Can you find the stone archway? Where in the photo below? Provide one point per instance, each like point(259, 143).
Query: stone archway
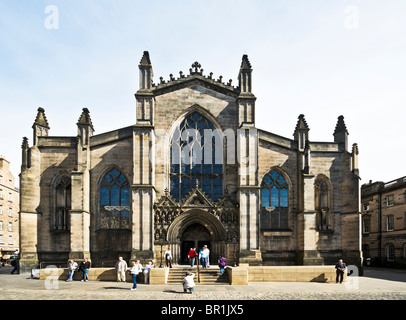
point(197, 227)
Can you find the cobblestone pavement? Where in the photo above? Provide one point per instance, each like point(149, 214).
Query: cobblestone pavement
point(376, 284)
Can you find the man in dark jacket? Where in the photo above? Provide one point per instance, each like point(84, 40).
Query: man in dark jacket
point(84, 267)
point(340, 267)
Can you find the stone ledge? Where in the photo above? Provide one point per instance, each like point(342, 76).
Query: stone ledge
point(293, 274)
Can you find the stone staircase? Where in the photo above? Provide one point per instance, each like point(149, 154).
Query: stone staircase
point(209, 276)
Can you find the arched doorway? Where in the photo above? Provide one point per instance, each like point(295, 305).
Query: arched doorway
point(196, 228)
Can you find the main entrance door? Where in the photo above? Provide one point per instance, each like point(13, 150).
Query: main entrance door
point(195, 236)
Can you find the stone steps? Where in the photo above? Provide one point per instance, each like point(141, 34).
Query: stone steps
point(207, 276)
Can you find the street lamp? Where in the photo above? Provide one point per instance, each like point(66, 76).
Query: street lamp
point(234, 241)
point(161, 242)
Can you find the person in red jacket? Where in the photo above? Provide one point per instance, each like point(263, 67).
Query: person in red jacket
point(192, 256)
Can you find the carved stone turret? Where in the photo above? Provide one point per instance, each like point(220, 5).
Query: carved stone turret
point(354, 155)
point(245, 76)
point(25, 160)
point(146, 72)
point(246, 99)
point(301, 134)
point(85, 127)
point(40, 126)
point(341, 133)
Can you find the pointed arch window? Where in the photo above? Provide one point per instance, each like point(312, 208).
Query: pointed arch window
point(114, 201)
point(274, 201)
point(196, 154)
point(323, 207)
point(62, 204)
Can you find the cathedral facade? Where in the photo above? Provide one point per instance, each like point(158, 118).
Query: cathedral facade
point(193, 170)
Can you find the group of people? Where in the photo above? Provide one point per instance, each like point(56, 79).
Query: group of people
point(188, 282)
point(120, 268)
point(192, 254)
point(83, 268)
point(136, 268)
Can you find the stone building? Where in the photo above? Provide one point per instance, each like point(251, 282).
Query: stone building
point(384, 222)
point(9, 208)
point(193, 170)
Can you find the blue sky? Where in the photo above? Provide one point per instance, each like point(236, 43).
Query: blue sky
point(307, 58)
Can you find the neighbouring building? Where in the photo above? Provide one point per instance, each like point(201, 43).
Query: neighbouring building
point(384, 222)
point(9, 211)
point(192, 170)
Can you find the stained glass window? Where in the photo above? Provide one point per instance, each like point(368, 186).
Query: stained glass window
point(274, 201)
point(114, 201)
point(196, 154)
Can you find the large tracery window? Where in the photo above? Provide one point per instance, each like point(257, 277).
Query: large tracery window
point(62, 204)
point(274, 201)
point(196, 154)
point(114, 201)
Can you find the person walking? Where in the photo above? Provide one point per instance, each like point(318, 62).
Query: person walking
point(222, 264)
point(121, 268)
point(135, 269)
point(340, 267)
point(168, 257)
point(72, 267)
point(14, 263)
point(84, 268)
point(192, 256)
point(147, 270)
point(203, 258)
point(188, 282)
point(207, 254)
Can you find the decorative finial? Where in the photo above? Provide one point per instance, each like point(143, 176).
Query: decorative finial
point(196, 66)
point(197, 183)
point(25, 143)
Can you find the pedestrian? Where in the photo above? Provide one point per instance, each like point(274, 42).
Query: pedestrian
point(192, 256)
point(222, 264)
point(84, 268)
point(72, 267)
point(207, 254)
point(168, 257)
point(340, 267)
point(14, 263)
point(203, 258)
point(147, 270)
point(121, 268)
point(135, 269)
point(188, 282)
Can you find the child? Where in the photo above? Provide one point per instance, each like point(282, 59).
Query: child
point(222, 264)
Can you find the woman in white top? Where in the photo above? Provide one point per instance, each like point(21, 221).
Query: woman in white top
point(135, 269)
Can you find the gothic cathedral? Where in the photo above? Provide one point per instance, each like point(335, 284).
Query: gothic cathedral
point(194, 170)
